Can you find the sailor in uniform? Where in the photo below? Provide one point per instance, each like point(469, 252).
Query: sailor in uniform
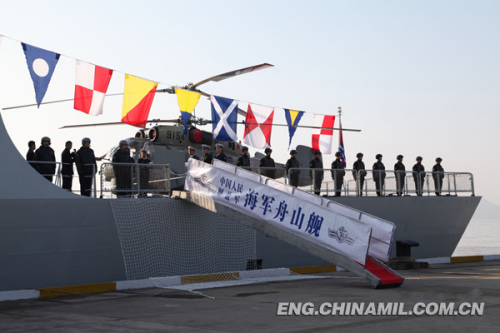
point(220, 154)
point(419, 176)
point(399, 172)
point(438, 176)
point(207, 157)
point(293, 163)
point(191, 151)
point(359, 170)
point(268, 162)
point(316, 175)
point(338, 173)
point(244, 160)
point(379, 175)
point(45, 154)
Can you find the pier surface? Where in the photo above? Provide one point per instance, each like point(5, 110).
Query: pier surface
point(253, 307)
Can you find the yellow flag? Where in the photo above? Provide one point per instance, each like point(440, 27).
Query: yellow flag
point(187, 99)
point(137, 98)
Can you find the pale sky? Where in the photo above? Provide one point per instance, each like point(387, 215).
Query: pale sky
point(418, 77)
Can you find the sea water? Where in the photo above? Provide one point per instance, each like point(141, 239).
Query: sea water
point(481, 237)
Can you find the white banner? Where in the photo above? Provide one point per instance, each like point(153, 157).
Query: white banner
point(382, 230)
point(226, 185)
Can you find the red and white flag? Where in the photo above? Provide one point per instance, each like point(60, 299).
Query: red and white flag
point(258, 126)
point(90, 87)
point(322, 138)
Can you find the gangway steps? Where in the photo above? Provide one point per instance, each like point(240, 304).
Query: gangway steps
point(375, 271)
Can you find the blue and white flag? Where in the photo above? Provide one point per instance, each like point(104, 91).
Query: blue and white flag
point(224, 118)
point(41, 64)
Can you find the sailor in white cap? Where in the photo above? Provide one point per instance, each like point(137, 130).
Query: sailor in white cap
point(191, 151)
point(207, 157)
point(220, 154)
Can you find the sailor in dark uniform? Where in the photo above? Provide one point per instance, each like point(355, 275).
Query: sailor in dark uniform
point(316, 175)
point(45, 154)
point(244, 160)
point(399, 172)
point(123, 169)
point(192, 151)
point(338, 173)
point(143, 173)
point(220, 154)
point(30, 155)
point(438, 176)
point(207, 157)
point(268, 162)
point(67, 159)
point(379, 175)
point(293, 163)
point(359, 170)
point(419, 176)
point(86, 166)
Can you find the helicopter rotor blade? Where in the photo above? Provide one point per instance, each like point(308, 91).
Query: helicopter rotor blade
point(242, 112)
point(231, 74)
point(119, 123)
point(303, 126)
point(50, 102)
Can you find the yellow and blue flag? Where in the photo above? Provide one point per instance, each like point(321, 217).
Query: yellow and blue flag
point(292, 119)
point(187, 101)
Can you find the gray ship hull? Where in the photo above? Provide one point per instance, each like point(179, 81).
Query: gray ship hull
point(436, 223)
point(52, 242)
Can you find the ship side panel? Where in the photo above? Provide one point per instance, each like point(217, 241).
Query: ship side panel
point(437, 223)
point(56, 242)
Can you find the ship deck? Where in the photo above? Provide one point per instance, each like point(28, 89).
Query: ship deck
point(253, 307)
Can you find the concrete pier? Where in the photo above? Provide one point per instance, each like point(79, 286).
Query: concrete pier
point(253, 308)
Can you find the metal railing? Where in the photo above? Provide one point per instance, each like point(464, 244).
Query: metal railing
point(447, 183)
point(134, 179)
point(349, 182)
point(157, 179)
point(56, 176)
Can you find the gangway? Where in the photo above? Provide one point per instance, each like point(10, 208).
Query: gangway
point(346, 237)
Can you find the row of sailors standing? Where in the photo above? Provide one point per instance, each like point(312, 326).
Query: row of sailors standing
point(266, 163)
point(379, 174)
point(359, 170)
point(41, 160)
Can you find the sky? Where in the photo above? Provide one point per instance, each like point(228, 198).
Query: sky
point(417, 77)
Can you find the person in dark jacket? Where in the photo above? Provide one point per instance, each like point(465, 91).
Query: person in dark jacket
point(192, 151)
point(207, 157)
point(220, 154)
point(67, 159)
point(379, 175)
point(244, 160)
point(86, 166)
point(419, 176)
point(400, 173)
point(293, 163)
point(268, 162)
point(338, 173)
point(30, 155)
point(438, 176)
point(123, 170)
point(143, 162)
point(359, 171)
point(45, 154)
point(316, 175)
